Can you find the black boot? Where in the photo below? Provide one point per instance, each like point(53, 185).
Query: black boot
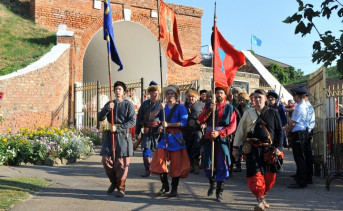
point(175, 183)
point(196, 165)
point(146, 161)
point(231, 170)
point(114, 185)
point(212, 186)
point(191, 165)
point(219, 191)
point(238, 167)
point(165, 184)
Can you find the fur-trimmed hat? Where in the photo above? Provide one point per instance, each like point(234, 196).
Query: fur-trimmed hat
point(237, 89)
point(153, 87)
point(120, 83)
point(244, 95)
point(192, 92)
point(221, 88)
point(174, 88)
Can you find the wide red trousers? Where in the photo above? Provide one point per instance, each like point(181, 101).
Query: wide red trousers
point(260, 184)
point(179, 163)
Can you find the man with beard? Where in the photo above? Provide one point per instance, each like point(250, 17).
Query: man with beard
point(124, 118)
point(150, 132)
point(171, 147)
point(225, 125)
point(193, 130)
point(260, 133)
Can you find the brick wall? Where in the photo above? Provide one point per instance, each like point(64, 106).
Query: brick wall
point(37, 96)
point(84, 21)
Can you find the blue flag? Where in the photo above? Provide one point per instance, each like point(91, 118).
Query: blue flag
point(255, 40)
point(108, 35)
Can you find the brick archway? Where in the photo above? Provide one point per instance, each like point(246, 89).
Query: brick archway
point(86, 20)
point(149, 23)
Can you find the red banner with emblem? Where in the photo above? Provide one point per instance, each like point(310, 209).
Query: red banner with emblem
point(169, 32)
point(226, 59)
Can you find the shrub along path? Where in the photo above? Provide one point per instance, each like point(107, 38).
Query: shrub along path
point(83, 185)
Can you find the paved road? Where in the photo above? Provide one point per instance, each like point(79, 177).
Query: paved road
point(83, 185)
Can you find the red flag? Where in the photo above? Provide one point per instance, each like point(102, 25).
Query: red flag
point(169, 32)
point(226, 59)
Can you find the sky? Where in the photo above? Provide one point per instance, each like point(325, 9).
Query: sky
point(237, 20)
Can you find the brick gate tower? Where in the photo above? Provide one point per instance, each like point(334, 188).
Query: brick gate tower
point(85, 17)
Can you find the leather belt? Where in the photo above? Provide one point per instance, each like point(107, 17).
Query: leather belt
point(173, 130)
point(257, 142)
point(151, 124)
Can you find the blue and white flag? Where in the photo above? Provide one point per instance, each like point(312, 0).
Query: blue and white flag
point(108, 35)
point(255, 40)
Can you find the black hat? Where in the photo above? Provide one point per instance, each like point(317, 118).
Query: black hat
point(273, 93)
point(203, 91)
point(308, 93)
point(298, 91)
point(120, 83)
point(153, 83)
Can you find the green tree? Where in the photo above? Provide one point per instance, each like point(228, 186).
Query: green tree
point(328, 48)
point(283, 75)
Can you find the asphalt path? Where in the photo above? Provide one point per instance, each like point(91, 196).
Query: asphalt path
point(83, 185)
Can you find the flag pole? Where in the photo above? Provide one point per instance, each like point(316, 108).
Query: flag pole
point(213, 85)
point(109, 74)
point(111, 97)
point(160, 53)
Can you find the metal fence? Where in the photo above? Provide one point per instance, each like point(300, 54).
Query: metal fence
point(90, 98)
point(334, 125)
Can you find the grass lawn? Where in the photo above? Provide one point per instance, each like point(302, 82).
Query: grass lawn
point(15, 190)
point(21, 41)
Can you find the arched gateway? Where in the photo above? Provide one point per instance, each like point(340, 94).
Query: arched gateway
point(85, 19)
point(138, 49)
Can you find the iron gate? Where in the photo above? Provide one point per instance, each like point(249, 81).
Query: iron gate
point(327, 143)
point(334, 124)
point(91, 97)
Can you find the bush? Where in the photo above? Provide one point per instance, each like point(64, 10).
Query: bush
point(43, 143)
point(93, 133)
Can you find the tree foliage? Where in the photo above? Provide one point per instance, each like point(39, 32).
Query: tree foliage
point(328, 48)
point(285, 75)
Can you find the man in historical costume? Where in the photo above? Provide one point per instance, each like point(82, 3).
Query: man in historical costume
point(260, 133)
point(298, 126)
point(124, 118)
point(208, 96)
point(203, 95)
point(225, 125)
point(252, 100)
point(172, 146)
point(193, 131)
point(150, 132)
point(243, 105)
point(274, 103)
point(235, 92)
